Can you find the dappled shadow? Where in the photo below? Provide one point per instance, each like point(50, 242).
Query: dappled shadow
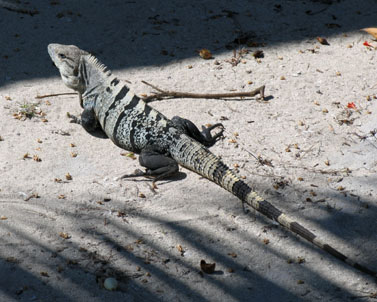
point(139, 249)
point(127, 34)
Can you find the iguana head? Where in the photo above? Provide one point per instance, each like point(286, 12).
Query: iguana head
point(67, 59)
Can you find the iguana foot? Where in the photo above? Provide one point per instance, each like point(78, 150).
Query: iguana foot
point(205, 137)
point(74, 119)
point(158, 166)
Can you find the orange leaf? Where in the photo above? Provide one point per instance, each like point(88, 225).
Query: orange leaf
point(351, 105)
point(371, 30)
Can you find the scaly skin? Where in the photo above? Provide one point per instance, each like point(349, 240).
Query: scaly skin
point(135, 126)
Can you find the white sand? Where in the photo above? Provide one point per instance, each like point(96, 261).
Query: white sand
point(329, 173)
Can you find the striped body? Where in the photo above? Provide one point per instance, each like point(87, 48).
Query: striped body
point(132, 125)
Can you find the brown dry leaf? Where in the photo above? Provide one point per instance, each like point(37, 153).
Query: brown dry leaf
point(68, 176)
point(37, 158)
point(141, 195)
point(233, 255)
point(300, 260)
point(3, 218)
point(44, 274)
point(61, 196)
point(371, 30)
point(208, 268)
point(323, 41)
point(258, 54)
point(180, 249)
point(266, 241)
point(205, 54)
point(12, 260)
point(64, 235)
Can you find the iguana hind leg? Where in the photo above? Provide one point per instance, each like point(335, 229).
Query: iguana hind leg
point(205, 137)
point(158, 165)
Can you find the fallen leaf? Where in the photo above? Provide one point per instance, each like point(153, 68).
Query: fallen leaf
point(180, 249)
point(44, 274)
point(12, 260)
point(37, 158)
point(258, 54)
point(128, 154)
point(3, 218)
point(323, 41)
point(205, 54)
point(351, 105)
point(233, 255)
point(64, 235)
point(208, 268)
point(68, 176)
point(300, 260)
point(367, 44)
point(371, 30)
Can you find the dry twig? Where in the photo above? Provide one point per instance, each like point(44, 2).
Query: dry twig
point(176, 94)
point(55, 94)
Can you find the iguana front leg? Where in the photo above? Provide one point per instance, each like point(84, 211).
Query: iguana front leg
point(88, 118)
point(205, 137)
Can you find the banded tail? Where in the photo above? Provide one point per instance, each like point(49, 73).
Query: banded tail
point(199, 159)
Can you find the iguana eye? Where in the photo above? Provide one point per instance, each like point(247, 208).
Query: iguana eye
point(62, 56)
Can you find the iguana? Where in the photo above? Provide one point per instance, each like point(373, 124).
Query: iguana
point(163, 144)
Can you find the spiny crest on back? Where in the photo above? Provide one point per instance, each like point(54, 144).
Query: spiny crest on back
point(94, 62)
